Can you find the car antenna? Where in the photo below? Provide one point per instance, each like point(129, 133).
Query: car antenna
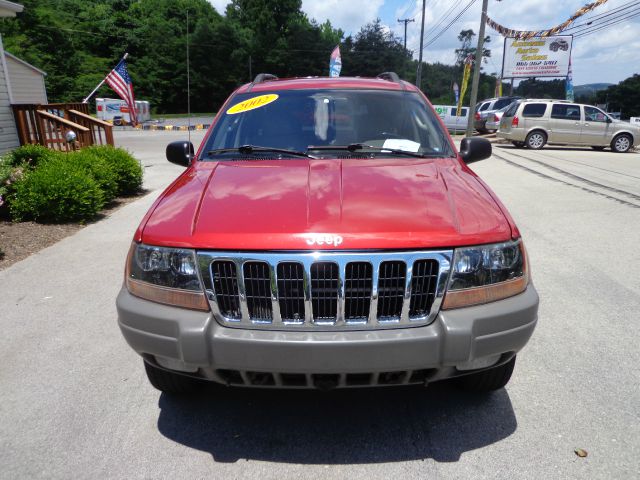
point(188, 84)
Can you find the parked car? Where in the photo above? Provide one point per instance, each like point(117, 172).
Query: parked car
point(327, 234)
point(486, 108)
point(493, 118)
point(534, 123)
point(559, 44)
point(452, 121)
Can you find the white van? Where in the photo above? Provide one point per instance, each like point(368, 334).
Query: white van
point(117, 111)
point(452, 121)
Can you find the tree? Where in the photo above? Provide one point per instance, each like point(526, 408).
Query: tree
point(624, 97)
point(466, 38)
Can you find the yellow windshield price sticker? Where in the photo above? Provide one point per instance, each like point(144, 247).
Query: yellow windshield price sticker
point(252, 103)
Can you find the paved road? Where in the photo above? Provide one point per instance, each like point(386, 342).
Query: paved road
point(74, 401)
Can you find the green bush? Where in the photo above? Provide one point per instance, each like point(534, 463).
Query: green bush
point(59, 190)
point(30, 155)
point(127, 169)
point(101, 171)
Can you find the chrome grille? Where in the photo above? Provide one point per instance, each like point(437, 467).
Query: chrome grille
point(324, 290)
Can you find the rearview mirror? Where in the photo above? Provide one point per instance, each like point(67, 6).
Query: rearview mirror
point(473, 149)
point(180, 153)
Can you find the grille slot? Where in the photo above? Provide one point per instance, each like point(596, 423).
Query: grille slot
point(291, 291)
point(257, 285)
point(391, 285)
point(423, 287)
point(225, 285)
point(357, 291)
point(324, 291)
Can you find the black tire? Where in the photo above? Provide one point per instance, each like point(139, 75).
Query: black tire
point(482, 131)
point(488, 380)
point(598, 148)
point(536, 140)
point(622, 143)
point(518, 144)
point(170, 382)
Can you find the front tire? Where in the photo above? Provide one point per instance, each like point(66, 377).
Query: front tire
point(169, 382)
point(622, 143)
point(488, 380)
point(536, 140)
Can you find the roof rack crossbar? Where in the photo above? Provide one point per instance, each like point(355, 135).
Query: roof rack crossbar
point(264, 77)
point(391, 76)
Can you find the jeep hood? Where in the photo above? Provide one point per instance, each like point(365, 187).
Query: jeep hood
point(285, 204)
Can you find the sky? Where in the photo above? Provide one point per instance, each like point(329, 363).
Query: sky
point(607, 56)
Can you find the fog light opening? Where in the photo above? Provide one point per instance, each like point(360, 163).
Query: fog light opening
point(173, 364)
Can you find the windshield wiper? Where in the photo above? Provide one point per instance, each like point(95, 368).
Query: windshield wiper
point(353, 147)
point(249, 149)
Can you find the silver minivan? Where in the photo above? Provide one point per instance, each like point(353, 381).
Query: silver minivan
point(534, 123)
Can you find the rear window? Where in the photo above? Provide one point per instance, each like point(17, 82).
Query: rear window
point(565, 111)
point(511, 111)
point(534, 110)
point(483, 107)
point(503, 102)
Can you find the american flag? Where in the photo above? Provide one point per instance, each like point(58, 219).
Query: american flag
point(120, 81)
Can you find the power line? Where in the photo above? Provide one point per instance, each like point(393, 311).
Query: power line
point(441, 32)
point(600, 16)
point(590, 30)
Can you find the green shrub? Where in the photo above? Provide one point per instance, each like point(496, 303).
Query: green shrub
point(101, 171)
point(58, 191)
point(127, 169)
point(30, 155)
point(8, 176)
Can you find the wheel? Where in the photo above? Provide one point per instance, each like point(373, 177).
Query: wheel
point(518, 144)
point(488, 380)
point(482, 131)
point(169, 382)
point(621, 143)
point(599, 148)
point(536, 140)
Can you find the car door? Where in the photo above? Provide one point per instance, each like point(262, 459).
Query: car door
point(566, 123)
point(596, 127)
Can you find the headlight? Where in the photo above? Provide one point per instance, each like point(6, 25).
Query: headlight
point(165, 275)
point(486, 273)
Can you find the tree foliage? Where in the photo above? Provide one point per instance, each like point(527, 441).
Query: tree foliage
point(77, 42)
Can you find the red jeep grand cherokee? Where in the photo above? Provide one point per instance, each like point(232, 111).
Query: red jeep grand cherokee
point(327, 234)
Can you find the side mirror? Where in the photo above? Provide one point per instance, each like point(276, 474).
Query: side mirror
point(473, 149)
point(180, 153)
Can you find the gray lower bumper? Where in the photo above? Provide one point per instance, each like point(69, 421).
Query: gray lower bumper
point(199, 343)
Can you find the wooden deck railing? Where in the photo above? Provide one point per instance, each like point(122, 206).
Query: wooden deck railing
point(46, 130)
point(55, 128)
point(101, 132)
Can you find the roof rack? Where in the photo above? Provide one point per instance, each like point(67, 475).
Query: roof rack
point(391, 76)
point(264, 77)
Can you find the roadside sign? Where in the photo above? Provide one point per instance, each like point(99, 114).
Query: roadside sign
point(537, 57)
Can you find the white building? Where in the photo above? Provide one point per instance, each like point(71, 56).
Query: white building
point(26, 82)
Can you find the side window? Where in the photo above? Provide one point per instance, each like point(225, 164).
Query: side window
point(563, 111)
point(463, 112)
point(592, 114)
point(534, 110)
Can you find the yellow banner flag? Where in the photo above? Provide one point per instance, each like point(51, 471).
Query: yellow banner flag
point(465, 82)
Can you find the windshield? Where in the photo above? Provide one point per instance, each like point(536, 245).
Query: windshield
point(299, 119)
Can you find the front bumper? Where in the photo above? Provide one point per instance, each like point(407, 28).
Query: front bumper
point(196, 343)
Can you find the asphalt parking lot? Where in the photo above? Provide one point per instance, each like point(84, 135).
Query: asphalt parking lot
point(75, 403)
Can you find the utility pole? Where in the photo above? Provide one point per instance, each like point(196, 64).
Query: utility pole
point(419, 73)
point(476, 70)
point(405, 21)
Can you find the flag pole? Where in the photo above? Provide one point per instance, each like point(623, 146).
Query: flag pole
point(124, 57)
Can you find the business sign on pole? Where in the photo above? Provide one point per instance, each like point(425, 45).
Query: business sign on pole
point(537, 57)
